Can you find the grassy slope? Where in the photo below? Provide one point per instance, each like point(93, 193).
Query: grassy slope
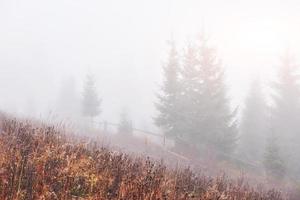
point(39, 162)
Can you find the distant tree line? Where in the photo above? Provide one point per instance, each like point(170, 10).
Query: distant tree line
point(73, 106)
point(270, 123)
point(194, 109)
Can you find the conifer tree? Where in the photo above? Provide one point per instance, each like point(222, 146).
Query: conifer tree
point(253, 125)
point(90, 102)
point(125, 127)
point(191, 84)
point(197, 111)
point(168, 117)
point(216, 121)
point(286, 112)
point(274, 165)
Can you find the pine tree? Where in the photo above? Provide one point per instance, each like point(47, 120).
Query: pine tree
point(253, 124)
point(168, 117)
point(125, 127)
point(216, 121)
point(191, 93)
point(196, 110)
point(90, 102)
point(286, 112)
point(273, 162)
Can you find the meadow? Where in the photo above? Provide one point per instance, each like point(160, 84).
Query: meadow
point(39, 161)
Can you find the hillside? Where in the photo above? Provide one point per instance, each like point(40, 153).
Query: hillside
point(40, 162)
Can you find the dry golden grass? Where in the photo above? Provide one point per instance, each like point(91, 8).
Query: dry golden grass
point(39, 162)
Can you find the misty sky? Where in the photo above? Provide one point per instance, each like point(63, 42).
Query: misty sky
point(123, 43)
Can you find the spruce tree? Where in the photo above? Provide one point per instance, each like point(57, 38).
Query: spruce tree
point(196, 109)
point(90, 102)
point(168, 117)
point(286, 112)
point(216, 121)
point(274, 164)
point(125, 126)
point(253, 124)
point(190, 96)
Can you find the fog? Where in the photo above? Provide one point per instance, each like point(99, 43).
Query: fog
point(124, 45)
point(47, 45)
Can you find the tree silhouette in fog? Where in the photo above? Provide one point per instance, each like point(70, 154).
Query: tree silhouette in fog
point(273, 161)
point(168, 118)
point(194, 107)
point(285, 112)
point(125, 127)
point(90, 102)
point(253, 127)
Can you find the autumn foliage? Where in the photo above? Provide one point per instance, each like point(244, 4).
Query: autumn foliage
point(39, 162)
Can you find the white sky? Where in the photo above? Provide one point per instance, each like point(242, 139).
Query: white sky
point(124, 43)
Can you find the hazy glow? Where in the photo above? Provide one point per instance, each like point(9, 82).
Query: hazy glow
point(255, 31)
point(124, 44)
point(263, 36)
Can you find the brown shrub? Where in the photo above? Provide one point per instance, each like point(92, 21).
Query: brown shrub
point(39, 162)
